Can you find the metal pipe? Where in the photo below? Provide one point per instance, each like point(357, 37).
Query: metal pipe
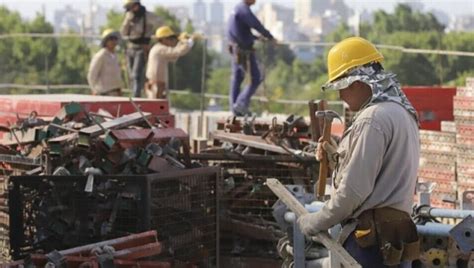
point(448, 213)
point(434, 229)
point(298, 247)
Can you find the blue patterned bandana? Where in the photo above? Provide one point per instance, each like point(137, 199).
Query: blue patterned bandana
point(385, 87)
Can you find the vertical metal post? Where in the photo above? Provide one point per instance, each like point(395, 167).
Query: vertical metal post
point(219, 179)
point(298, 247)
point(203, 86)
point(46, 67)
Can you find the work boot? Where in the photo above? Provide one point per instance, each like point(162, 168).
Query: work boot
point(240, 110)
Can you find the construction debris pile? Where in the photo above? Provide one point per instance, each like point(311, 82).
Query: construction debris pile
point(120, 252)
point(250, 151)
point(82, 175)
point(447, 156)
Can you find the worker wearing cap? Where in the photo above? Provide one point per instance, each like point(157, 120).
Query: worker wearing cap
point(168, 49)
point(138, 28)
point(104, 74)
point(241, 22)
point(375, 164)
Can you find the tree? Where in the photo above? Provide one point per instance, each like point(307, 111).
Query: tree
point(72, 61)
point(24, 58)
point(404, 19)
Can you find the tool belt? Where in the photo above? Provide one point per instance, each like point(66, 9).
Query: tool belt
point(242, 56)
point(392, 230)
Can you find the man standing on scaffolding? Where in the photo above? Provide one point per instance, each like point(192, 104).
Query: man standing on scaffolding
point(241, 21)
point(138, 27)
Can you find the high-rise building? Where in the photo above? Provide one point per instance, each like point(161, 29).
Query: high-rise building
point(217, 12)
point(69, 19)
point(307, 9)
point(199, 12)
point(303, 9)
point(279, 21)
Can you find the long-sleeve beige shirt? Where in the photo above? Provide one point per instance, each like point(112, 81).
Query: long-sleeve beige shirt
point(104, 72)
point(133, 28)
point(378, 162)
point(159, 58)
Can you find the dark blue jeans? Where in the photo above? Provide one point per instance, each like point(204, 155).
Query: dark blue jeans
point(237, 97)
point(136, 69)
point(370, 257)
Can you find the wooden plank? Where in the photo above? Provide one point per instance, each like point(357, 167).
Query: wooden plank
point(124, 121)
point(294, 205)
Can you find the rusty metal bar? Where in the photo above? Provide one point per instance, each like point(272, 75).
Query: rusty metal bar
point(139, 252)
point(252, 157)
point(118, 243)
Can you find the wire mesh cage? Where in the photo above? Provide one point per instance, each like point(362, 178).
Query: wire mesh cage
point(183, 209)
point(54, 212)
point(246, 203)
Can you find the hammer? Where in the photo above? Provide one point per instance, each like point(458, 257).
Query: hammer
point(328, 116)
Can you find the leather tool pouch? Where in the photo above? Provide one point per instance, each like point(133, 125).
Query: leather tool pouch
point(393, 231)
point(365, 233)
point(243, 57)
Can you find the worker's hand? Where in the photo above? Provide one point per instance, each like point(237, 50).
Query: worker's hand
point(197, 36)
point(183, 36)
point(307, 224)
point(330, 148)
point(273, 42)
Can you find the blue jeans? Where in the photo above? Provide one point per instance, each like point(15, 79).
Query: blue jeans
point(370, 257)
point(242, 99)
point(136, 69)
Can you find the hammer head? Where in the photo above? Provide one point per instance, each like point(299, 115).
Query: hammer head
point(328, 114)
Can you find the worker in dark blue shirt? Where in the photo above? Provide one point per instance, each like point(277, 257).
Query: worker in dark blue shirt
point(241, 22)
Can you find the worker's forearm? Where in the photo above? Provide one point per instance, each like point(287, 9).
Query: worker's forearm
point(337, 209)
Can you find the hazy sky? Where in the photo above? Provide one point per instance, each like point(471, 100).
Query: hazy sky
point(29, 8)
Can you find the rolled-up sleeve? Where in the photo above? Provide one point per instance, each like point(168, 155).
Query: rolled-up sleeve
point(358, 175)
point(173, 53)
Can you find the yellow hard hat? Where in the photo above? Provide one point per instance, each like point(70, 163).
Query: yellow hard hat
point(126, 3)
point(350, 53)
point(164, 32)
point(110, 32)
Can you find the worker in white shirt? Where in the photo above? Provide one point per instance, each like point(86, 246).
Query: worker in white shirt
point(168, 49)
point(104, 74)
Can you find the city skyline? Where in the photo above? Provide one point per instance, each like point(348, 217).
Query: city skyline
point(29, 8)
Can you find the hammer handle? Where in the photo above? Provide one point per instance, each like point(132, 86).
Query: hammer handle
point(323, 164)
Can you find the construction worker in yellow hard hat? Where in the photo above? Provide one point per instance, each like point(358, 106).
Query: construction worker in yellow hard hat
point(168, 49)
point(137, 29)
point(104, 74)
point(375, 164)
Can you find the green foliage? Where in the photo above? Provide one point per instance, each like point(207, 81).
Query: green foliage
point(168, 18)
point(114, 20)
point(34, 60)
point(404, 19)
point(72, 61)
point(186, 102)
